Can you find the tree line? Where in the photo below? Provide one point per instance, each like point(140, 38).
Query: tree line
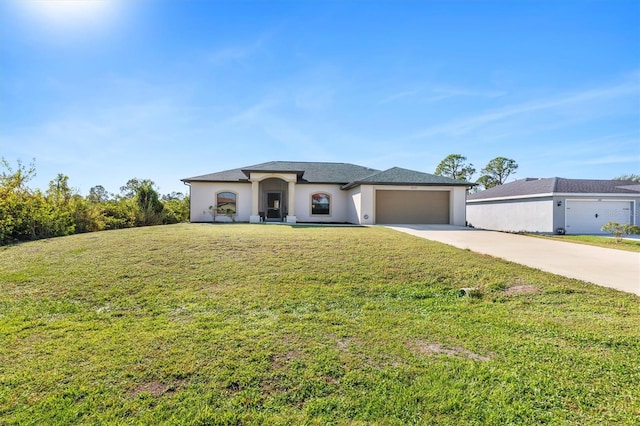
point(493, 174)
point(28, 214)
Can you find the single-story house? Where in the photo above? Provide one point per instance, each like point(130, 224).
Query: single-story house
point(326, 192)
point(554, 205)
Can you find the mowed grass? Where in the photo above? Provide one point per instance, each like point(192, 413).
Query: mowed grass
point(595, 240)
point(261, 324)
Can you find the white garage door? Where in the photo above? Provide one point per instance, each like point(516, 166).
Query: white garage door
point(420, 207)
point(587, 217)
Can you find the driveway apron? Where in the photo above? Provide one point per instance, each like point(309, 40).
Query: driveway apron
point(606, 267)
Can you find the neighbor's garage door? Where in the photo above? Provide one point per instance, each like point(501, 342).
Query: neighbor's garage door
point(587, 217)
point(424, 207)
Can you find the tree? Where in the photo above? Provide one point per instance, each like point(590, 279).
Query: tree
point(98, 194)
point(130, 190)
point(454, 166)
point(16, 180)
point(19, 206)
point(174, 196)
point(61, 218)
point(486, 181)
point(59, 191)
point(497, 171)
point(632, 177)
point(148, 203)
point(176, 211)
point(88, 215)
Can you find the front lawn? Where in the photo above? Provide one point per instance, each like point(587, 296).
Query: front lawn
point(264, 324)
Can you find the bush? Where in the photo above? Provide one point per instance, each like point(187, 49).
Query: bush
point(27, 214)
point(619, 231)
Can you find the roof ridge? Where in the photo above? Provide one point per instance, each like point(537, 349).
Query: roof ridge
point(307, 162)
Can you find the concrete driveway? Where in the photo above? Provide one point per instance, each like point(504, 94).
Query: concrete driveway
point(612, 268)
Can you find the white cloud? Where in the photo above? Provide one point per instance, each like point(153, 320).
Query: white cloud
point(616, 159)
point(314, 98)
point(231, 54)
point(254, 112)
point(443, 93)
point(397, 96)
point(574, 100)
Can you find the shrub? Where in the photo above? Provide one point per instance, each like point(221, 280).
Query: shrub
point(619, 231)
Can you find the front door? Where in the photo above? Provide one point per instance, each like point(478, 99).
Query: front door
point(274, 205)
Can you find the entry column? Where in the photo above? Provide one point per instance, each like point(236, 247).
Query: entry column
point(255, 194)
point(291, 215)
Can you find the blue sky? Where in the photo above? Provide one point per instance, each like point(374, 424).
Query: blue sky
point(104, 91)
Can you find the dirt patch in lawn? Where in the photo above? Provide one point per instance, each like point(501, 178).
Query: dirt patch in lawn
point(281, 360)
point(431, 348)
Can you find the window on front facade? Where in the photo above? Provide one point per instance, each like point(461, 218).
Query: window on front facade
point(226, 203)
point(320, 204)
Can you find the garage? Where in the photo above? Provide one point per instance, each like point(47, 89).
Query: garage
point(588, 216)
point(412, 207)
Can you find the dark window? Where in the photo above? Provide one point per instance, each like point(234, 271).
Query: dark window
point(226, 203)
point(321, 203)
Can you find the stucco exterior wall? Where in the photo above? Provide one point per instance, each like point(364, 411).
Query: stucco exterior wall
point(558, 212)
point(203, 195)
point(353, 205)
point(338, 204)
point(534, 215)
point(367, 205)
point(457, 209)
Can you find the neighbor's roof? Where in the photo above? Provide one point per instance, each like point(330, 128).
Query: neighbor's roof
point(347, 174)
point(556, 185)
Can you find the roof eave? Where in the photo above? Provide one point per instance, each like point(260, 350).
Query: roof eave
point(511, 197)
point(248, 172)
point(358, 183)
point(555, 194)
point(190, 180)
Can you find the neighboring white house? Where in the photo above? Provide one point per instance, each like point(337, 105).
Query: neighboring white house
point(326, 192)
point(551, 205)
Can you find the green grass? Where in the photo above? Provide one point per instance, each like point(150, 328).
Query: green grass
point(594, 240)
point(260, 324)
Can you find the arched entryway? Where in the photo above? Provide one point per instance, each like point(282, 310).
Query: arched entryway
point(273, 199)
point(273, 196)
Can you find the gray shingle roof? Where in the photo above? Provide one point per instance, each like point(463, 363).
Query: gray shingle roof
point(556, 185)
point(308, 172)
point(400, 176)
point(346, 174)
point(596, 186)
point(233, 175)
point(315, 172)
